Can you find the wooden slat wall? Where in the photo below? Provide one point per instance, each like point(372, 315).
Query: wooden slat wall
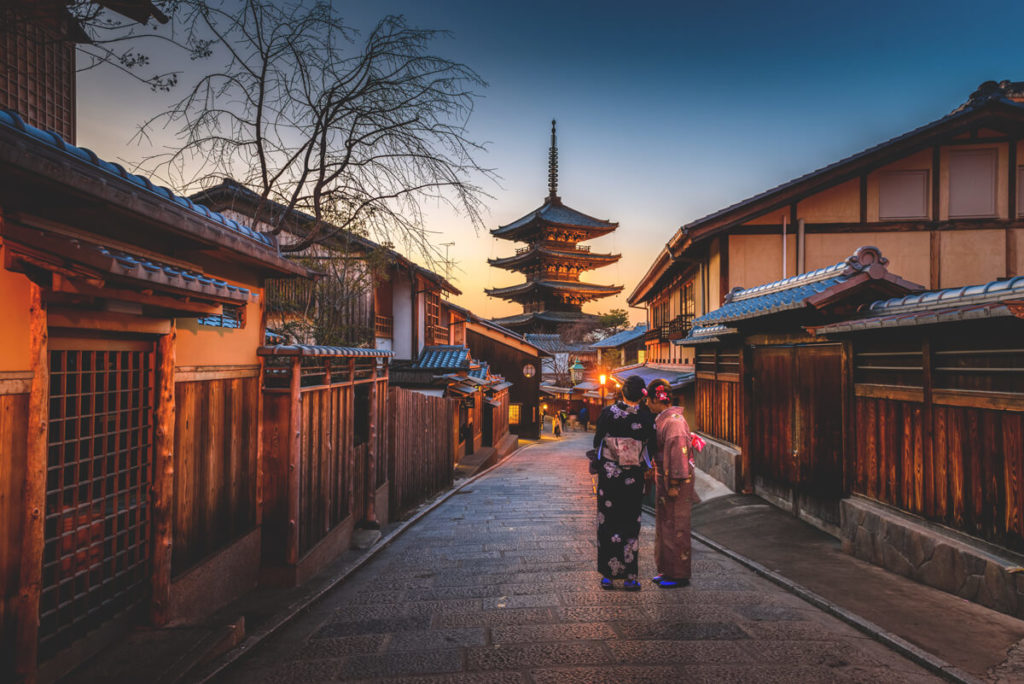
point(971, 479)
point(13, 443)
point(499, 422)
point(719, 412)
point(423, 439)
point(215, 474)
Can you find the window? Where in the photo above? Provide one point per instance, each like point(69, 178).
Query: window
point(435, 332)
point(903, 195)
point(972, 183)
point(641, 355)
point(232, 317)
point(514, 411)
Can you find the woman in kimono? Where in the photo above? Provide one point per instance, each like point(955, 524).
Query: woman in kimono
point(620, 434)
point(673, 487)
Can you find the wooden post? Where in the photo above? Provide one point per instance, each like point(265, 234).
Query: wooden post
point(294, 462)
point(162, 494)
point(34, 489)
point(371, 457)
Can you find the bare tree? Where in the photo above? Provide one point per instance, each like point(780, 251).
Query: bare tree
point(357, 133)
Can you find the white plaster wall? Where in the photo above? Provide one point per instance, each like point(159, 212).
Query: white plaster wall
point(402, 310)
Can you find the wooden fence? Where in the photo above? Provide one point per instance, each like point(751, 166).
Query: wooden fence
point(215, 476)
point(423, 438)
point(323, 440)
point(719, 412)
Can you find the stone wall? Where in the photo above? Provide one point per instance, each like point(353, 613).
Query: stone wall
point(721, 461)
point(933, 555)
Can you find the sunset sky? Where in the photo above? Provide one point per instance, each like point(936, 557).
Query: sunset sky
point(666, 111)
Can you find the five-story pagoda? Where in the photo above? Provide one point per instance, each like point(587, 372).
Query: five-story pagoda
point(553, 295)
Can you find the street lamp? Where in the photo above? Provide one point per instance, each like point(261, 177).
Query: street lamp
point(576, 372)
point(602, 379)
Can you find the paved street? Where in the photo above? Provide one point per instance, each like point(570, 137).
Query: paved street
point(499, 584)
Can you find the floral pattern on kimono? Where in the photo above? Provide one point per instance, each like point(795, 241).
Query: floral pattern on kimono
point(620, 492)
point(672, 545)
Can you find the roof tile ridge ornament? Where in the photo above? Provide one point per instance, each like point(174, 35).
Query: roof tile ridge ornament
point(553, 168)
point(867, 259)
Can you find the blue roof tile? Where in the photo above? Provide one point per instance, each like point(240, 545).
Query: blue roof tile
point(443, 356)
point(621, 337)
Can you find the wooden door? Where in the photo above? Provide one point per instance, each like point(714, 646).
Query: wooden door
point(774, 371)
point(98, 478)
point(797, 440)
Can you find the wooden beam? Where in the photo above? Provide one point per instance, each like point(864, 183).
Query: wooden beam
point(146, 297)
point(34, 493)
point(108, 322)
point(294, 462)
point(936, 181)
point(935, 260)
point(162, 501)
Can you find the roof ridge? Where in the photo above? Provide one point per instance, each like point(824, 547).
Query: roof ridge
point(992, 290)
point(848, 266)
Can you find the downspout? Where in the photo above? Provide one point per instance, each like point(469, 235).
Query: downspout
point(801, 254)
point(785, 221)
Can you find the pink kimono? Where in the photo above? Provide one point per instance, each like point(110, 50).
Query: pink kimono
point(672, 527)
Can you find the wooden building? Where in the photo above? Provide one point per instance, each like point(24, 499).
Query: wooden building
point(129, 402)
point(888, 422)
point(552, 260)
point(386, 300)
point(509, 355)
point(943, 202)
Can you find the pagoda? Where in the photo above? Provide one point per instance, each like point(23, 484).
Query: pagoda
point(552, 261)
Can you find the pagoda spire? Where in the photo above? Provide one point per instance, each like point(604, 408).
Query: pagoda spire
point(553, 166)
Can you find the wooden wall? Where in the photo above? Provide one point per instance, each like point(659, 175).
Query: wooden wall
point(499, 417)
point(423, 439)
point(718, 409)
point(969, 474)
point(508, 362)
point(13, 456)
point(215, 476)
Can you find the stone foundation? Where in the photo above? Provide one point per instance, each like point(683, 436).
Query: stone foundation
point(933, 555)
point(721, 461)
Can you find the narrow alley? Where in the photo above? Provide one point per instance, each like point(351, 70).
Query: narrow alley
point(498, 584)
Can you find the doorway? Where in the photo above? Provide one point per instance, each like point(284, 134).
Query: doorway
point(797, 429)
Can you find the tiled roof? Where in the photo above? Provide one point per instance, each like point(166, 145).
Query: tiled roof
point(11, 120)
point(649, 372)
point(481, 372)
point(705, 334)
point(443, 356)
point(230, 192)
point(557, 285)
point(546, 317)
point(938, 306)
point(795, 292)
point(320, 350)
point(554, 212)
point(549, 342)
point(622, 337)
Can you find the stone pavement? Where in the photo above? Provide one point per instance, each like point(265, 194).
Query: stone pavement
point(498, 584)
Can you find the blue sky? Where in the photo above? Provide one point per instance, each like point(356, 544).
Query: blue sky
point(667, 110)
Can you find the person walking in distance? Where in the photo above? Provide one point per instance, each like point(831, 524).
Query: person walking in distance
point(620, 435)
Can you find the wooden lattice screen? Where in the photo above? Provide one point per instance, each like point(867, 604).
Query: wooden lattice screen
point(99, 469)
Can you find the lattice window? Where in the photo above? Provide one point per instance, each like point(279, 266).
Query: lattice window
point(514, 413)
point(38, 75)
point(99, 468)
point(895, 363)
point(232, 317)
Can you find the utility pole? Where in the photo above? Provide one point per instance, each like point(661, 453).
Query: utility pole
point(447, 261)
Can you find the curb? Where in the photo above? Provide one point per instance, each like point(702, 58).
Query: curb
point(902, 646)
point(251, 641)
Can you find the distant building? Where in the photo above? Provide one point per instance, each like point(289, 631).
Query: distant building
point(624, 348)
point(553, 294)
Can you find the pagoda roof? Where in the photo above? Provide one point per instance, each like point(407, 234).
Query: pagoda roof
point(536, 252)
point(554, 213)
point(524, 320)
point(532, 286)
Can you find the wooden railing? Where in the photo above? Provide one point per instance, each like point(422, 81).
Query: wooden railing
point(384, 326)
point(437, 334)
point(680, 327)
